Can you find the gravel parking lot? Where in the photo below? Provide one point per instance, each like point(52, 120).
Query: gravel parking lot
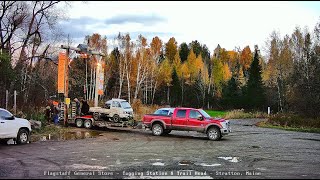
point(248, 152)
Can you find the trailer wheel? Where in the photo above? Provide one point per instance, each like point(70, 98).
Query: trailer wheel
point(88, 124)
point(116, 118)
point(79, 123)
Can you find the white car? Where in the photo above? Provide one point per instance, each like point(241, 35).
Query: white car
point(14, 128)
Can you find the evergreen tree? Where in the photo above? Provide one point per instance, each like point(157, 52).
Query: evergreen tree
point(254, 91)
point(175, 89)
point(231, 94)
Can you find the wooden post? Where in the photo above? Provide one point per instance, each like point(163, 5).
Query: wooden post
point(97, 82)
point(66, 75)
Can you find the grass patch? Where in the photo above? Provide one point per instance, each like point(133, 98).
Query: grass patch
point(241, 114)
point(214, 113)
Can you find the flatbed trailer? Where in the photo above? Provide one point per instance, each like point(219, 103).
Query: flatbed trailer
point(87, 121)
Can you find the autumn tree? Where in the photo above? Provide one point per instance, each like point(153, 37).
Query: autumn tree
point(142, 63)
point(246, 59)
point(155, 53)
point(165, 72)
point(171, 49)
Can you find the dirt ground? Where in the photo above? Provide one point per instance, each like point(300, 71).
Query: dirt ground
point(248, 152)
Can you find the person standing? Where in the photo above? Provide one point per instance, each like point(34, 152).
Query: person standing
point(85, 107)
point(77, 106)
point(48, 114)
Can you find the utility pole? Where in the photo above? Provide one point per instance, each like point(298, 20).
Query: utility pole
point(66, 74)
point(66, 84)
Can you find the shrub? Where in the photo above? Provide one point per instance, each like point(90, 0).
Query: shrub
point(292, 120)
point(241, 114)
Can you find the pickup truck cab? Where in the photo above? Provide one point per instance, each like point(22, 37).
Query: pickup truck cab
point(14, 128)
point(187, 119)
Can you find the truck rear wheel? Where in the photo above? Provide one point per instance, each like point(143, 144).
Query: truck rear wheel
point(88, 124)
point(157, 129)
point(214, 134)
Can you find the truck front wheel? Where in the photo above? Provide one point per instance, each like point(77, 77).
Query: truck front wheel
point(23, 136)
point(157, 129)
point(214, 134)
point(116, 118)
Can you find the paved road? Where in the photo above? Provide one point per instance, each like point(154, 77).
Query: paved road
point(249, 152)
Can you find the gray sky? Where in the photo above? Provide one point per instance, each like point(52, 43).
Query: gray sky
point(229, 24)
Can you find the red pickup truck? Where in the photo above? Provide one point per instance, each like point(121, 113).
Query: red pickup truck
point(187, 119)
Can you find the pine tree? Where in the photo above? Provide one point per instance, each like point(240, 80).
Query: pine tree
point(175, 89)
point(231, 94)
point(254, 91)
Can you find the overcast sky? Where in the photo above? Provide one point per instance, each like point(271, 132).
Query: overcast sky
point(229, 24)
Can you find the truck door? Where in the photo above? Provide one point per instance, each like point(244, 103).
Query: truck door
point(195, 121)
point(179, 120)
point(8, 127)
point(115, 108)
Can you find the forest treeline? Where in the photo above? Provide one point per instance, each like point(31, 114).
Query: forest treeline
point(286, 78)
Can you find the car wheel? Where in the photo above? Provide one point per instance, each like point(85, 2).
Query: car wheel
point(157, 130)
point(79, 123)
point(116, 118)
point(23, 136)
point(88, 124)
point(96, 116)
point(214, 134)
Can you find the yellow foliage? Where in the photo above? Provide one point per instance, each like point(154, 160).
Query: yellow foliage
point(226, 72)
point(165, 72)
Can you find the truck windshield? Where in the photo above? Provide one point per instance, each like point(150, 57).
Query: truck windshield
point(125, 105)
point(205, 114)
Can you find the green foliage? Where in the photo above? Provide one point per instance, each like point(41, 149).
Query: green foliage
point(214, 113)
point(175, 89)
point(184, 51)
point(6, 70)
point(254, 90)
point(231, 94)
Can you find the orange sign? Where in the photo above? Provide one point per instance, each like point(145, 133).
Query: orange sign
point(61, 69)
point(101, 81)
